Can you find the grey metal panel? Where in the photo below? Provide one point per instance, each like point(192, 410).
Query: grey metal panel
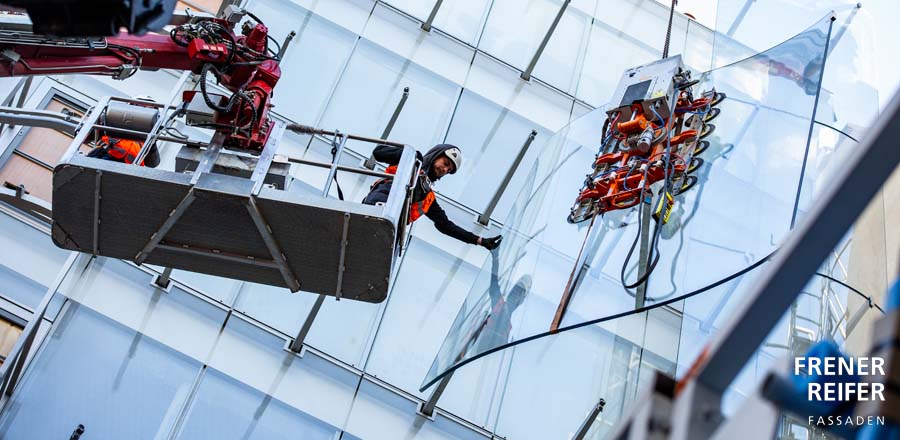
point(137, 200)
point(233, 165)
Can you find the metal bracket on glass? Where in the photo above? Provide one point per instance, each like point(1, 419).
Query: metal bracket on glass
point(589, 420)
point(163, 281)
point(526, 75)
point(426, 409)
point(370, 162)
point(297, 344)
point(485, 217)
point(427, 25)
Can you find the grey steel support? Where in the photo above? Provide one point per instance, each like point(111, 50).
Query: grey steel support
point(427, 408)
point(11, 370)
point(297, 343)
point(341, 268)
point(526, 75)
point(589, 421)
point(157, 236)
point(153, 136)
point(434, 11)
point(163, 280)
point(740, 17)
point(205, 166)
point(370, 162)
point(485, 217)
point(858, 315)
point(24, 93)
point(781, 282)
point(337, 158)
point(264, 161)
point(95, 248)
point(285, 44)
point(266, 233)
point(641, 293)
point(339, 167)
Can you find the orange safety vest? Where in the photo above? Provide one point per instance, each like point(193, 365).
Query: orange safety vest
point(416, 209)
point(122, 150)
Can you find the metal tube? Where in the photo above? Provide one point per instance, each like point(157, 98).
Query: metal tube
point(526, 75)
point(339, 167)
point(159, 138)
point(333, 171)
point(485, 216)
point(370, 162)
point(641, 293)
point(286, 43)
point(305, 129)
point(297, 343)
point(434, 11)
point(589, 421)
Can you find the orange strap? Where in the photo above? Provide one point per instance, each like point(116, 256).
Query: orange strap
point(416, 209)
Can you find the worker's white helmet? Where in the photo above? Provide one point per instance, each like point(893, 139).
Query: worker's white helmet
point(455, 156)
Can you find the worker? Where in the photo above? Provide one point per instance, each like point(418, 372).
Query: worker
point(124, 150)
point(439, 161)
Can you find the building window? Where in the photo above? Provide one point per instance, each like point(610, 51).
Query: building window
point(9, 333)
point(37, 150)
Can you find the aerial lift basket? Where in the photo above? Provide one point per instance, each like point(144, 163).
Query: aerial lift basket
point(226, 225)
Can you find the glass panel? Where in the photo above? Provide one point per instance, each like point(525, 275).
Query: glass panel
point(514, 29)
point(712, 234)
point(65, 386)
point(490, 138)
point(305, 86)
point(349, 14)
point(561, 62)
point(125, 294)
point(379, 413)
point(225, 409)
point(415, 321)
point(532, 100)
point(463, 19)
point(370, 89)
point(275, 383)
point(29, 262)
point(610, 52)
point(403, 36)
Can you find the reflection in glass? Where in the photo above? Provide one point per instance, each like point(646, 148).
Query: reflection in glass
point(741, 207)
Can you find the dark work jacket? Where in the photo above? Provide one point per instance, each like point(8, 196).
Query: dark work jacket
point(391, 156)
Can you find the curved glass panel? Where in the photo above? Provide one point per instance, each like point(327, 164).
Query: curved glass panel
point(731, 220)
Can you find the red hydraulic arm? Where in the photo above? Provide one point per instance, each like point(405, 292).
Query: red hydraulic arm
point(241, 63)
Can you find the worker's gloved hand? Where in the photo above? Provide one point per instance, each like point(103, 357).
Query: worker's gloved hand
point(491, 243)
